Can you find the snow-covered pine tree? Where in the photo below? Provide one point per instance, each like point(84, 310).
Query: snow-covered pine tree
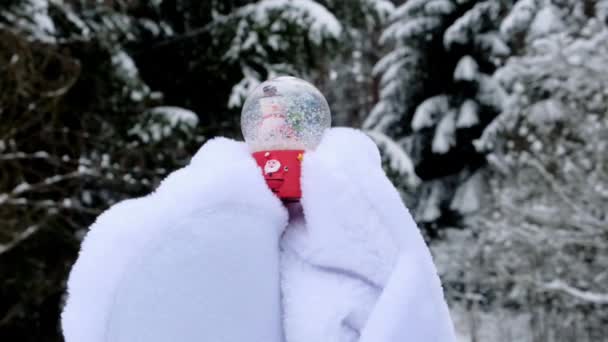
point(345, 74)
point(230, 46)
point(543, 224)
point(328, 42)
point(436, 95)
point(270, 38)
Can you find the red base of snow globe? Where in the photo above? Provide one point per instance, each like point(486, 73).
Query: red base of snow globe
point(282, 170)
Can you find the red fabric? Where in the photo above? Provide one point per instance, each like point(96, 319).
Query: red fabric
point(283, 178)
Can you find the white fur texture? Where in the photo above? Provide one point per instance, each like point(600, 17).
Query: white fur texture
point(354, 266)
point(198, 259)
point(186, 262)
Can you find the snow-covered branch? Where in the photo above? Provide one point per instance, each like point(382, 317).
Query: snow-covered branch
point(51, 206)
point(397, 157)
point(49, 181)
point(586, 296)
point(23, 155)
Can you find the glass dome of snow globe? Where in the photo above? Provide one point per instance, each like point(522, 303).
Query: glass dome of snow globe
point(284, 113)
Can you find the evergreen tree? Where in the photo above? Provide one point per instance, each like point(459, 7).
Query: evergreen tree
point(543, 223)
point(231, 46)
point(437, 94)
point(534, 244)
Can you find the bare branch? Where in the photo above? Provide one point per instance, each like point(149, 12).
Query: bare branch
point(23, 155)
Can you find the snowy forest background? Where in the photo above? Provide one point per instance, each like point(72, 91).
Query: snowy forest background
point(492, 117)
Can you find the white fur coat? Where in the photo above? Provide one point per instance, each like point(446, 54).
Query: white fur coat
point(211, 255)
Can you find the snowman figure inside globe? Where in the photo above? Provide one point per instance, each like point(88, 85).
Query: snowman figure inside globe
point(282, 118)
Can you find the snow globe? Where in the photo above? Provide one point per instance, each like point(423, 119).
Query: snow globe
point(281, 119)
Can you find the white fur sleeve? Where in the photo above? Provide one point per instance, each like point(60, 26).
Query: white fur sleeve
point(358, 226)
point(197, 260)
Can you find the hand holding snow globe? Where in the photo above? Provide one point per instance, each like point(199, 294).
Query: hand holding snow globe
point(281, 119)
